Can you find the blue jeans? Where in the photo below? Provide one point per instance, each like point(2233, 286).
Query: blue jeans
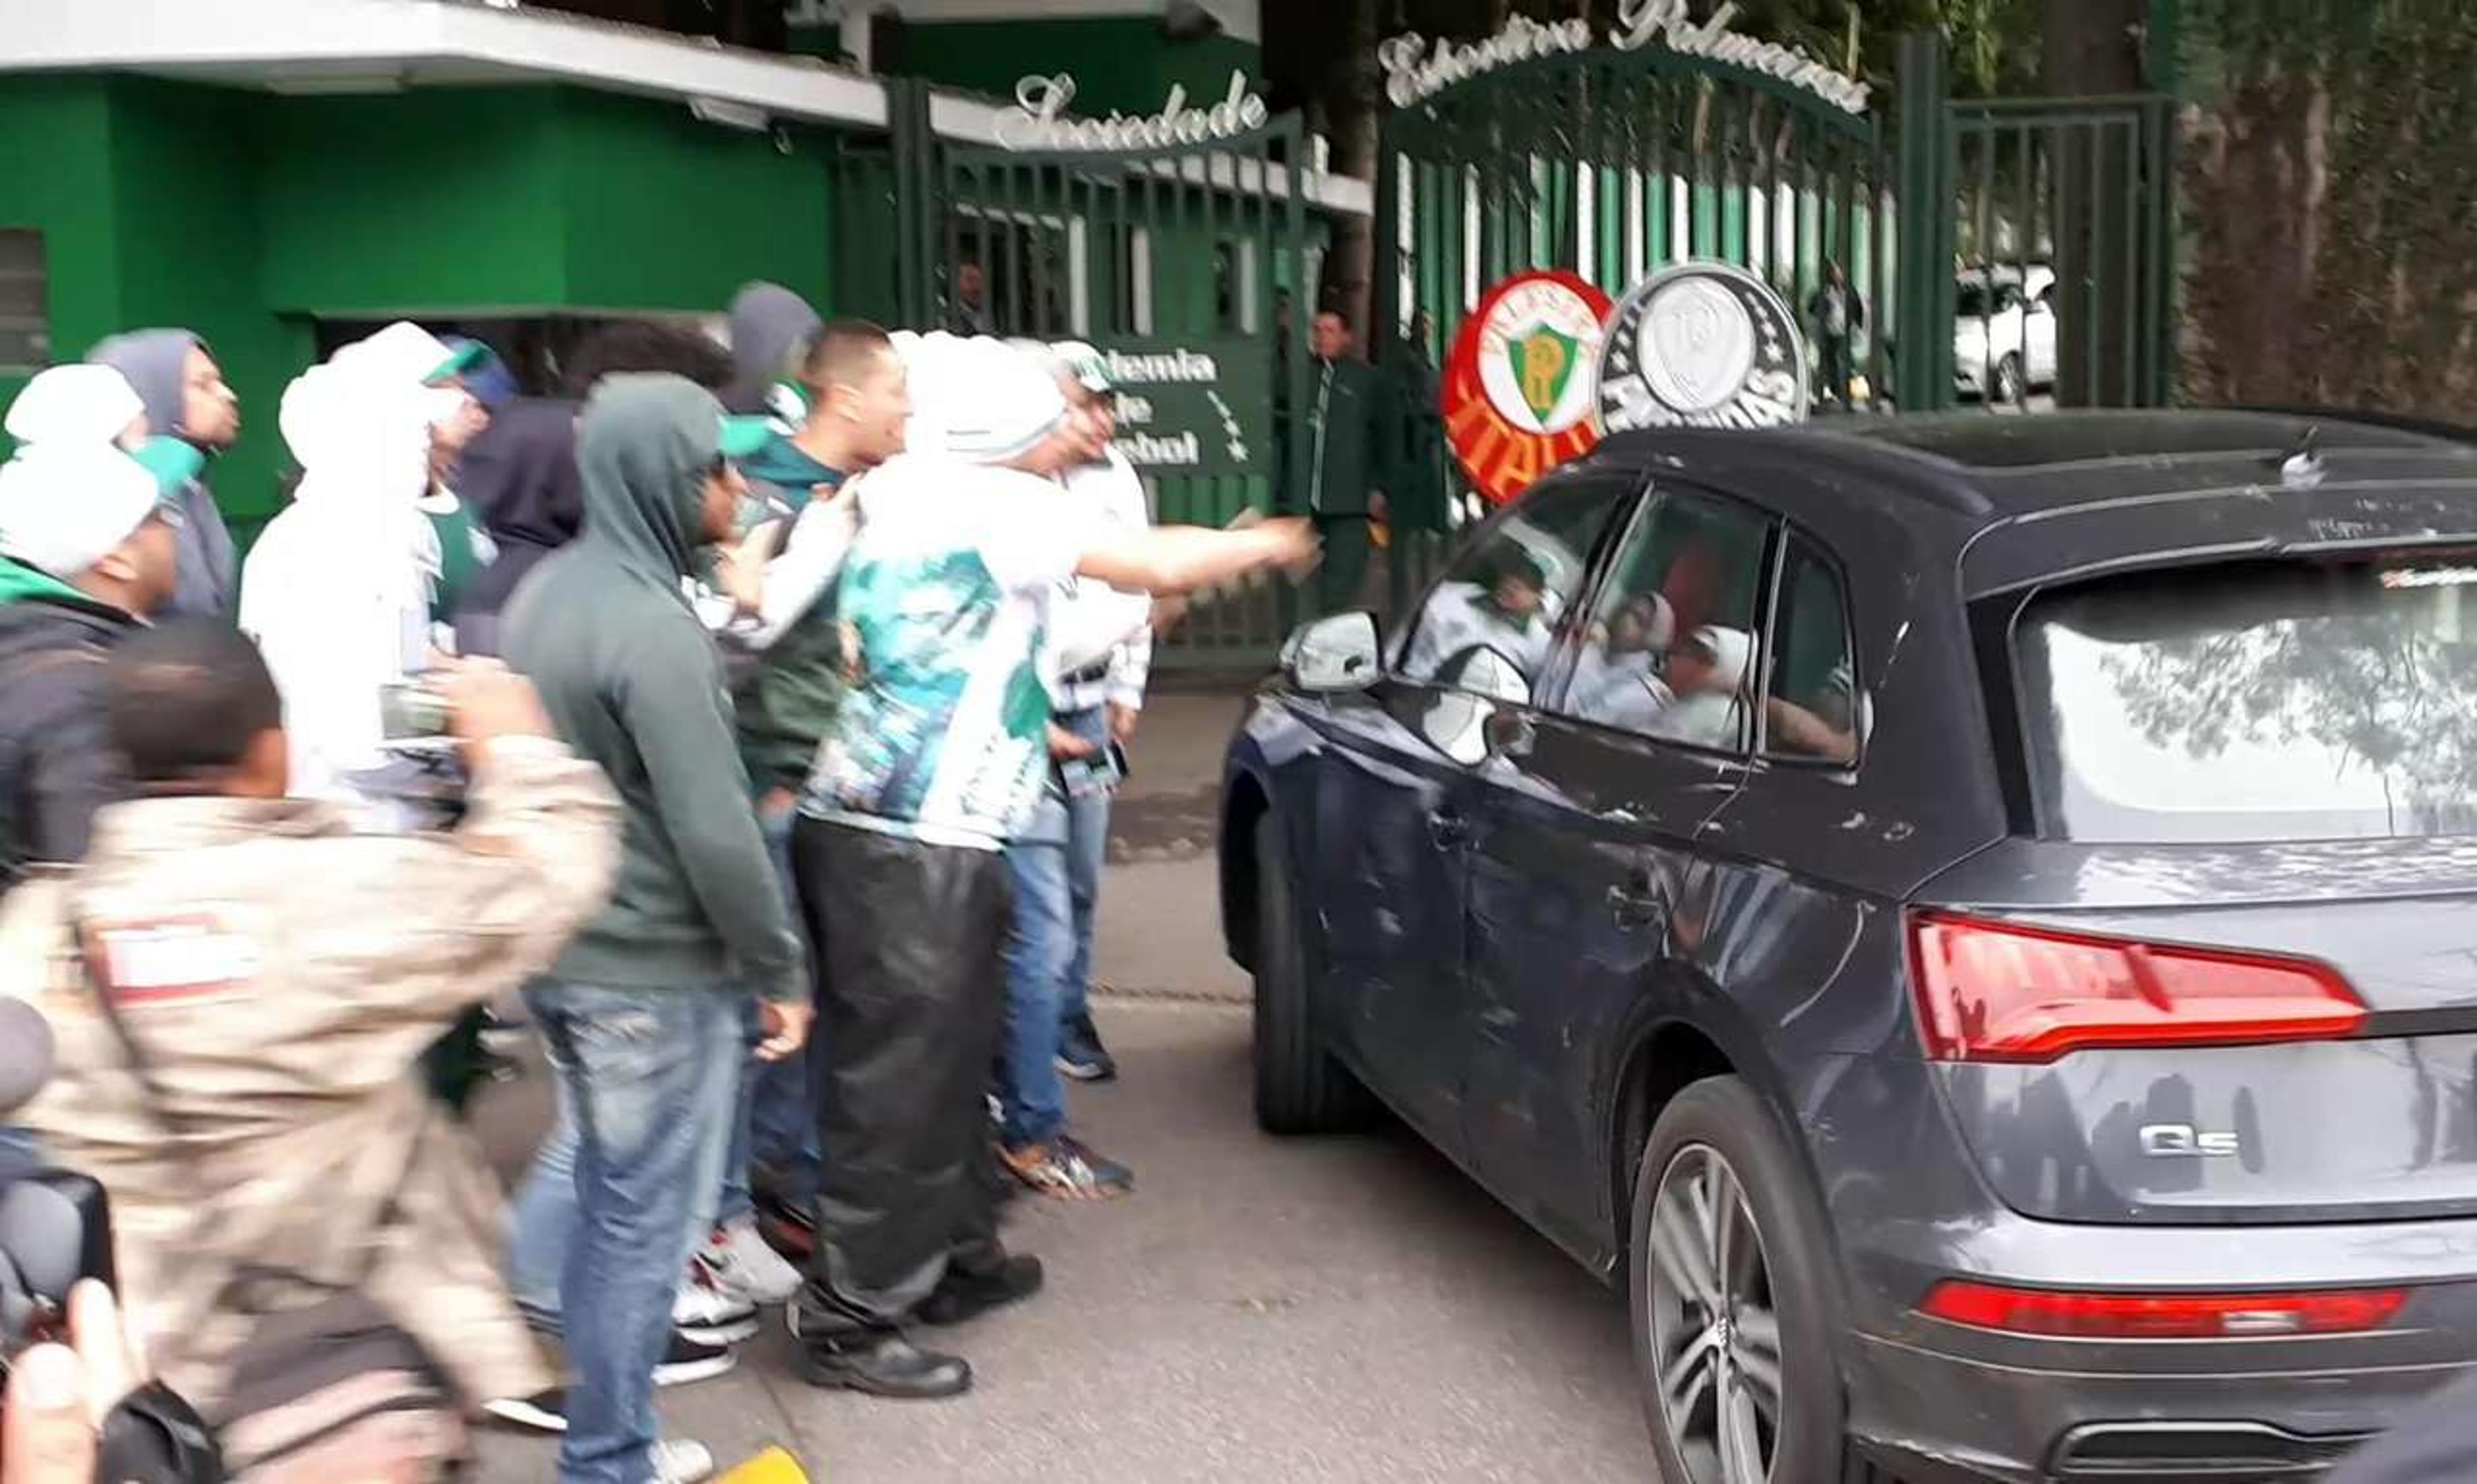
point(1039, 944)
point(1087, 849)
point(773, 1123)
point(647, 1079)
point(1056, 864)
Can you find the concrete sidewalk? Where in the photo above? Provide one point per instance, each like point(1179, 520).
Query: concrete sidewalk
point(1160, 929)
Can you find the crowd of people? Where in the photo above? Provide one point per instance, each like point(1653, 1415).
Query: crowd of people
point(754, 718)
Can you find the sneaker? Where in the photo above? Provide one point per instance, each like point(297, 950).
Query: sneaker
point(962, 1295)
point(540, 1412)
point(739, 1264)
point(706, 1314)
point(678, 1461)
point(1081, 1055)
point(1065, 1170)
point(688, 1361)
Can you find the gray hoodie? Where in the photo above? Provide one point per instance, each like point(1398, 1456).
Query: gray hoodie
point(633, 682)
point(769, 322)
point(155, 363)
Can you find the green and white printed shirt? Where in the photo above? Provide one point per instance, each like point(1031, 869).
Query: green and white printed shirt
point(943, 736)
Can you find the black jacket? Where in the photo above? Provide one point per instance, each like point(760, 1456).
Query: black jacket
point(519, 479)
point(57, 766)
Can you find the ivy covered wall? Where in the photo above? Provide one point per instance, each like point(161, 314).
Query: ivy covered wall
point(2331, 203)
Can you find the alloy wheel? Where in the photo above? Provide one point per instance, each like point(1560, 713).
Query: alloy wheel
point(1714, 1330)
point(2011, 389)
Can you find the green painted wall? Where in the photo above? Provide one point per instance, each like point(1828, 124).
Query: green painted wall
point(56, 176)
point(247, 216)
point(431, 200)
point(663, 212)
point(1120, 63)
point(186, 182)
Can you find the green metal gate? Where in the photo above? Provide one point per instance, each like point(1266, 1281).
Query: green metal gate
point(2032, 237)
point(1192, 245)
point(1612, 164)
point(2049, 279)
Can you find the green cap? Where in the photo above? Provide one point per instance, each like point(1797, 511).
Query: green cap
point(172, 462)
point(744, 437)
point(460, 360)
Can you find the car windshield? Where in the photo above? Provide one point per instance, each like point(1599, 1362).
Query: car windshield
point(1972, 301)
point(2254, 701)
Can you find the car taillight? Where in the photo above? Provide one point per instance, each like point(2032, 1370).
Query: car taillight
point(2162, 1315)
point(1992, 991)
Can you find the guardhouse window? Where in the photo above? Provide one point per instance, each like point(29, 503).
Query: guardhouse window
point(25, 321)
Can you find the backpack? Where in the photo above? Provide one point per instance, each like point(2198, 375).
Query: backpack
point(17, 848)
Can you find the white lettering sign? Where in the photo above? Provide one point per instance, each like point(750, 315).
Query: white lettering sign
point(1146, 450)
point(1039, 119)
point(1179, 365)
point(1415, 71)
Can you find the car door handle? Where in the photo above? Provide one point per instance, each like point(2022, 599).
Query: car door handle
point(1637, 902)
point(1448, 829)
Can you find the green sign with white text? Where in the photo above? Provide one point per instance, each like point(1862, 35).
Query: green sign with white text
point(1194, 406)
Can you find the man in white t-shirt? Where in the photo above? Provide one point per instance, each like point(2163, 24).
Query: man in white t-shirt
point(934, 761)
point(1706, 678)
point(1613, 667)
point(1099, 644)
point(1508, 614)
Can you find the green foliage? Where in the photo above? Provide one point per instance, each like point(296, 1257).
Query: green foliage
point(2334, 179)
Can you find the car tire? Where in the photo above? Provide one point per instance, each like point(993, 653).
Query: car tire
point(1717, 1141)
point(2011, 389)
point(1299, 1087)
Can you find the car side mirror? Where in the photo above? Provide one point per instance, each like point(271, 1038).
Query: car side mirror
point(1472, 717)
point(1342, 653)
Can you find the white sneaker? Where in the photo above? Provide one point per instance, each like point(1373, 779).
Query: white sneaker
point(742, 1266)
point(709, 1316)
point(678, 1461)
point(687, 1360)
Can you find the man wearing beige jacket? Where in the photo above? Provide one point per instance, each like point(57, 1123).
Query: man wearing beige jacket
point(282, 974)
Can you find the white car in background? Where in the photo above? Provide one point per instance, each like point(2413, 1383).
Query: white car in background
point(2004, 333)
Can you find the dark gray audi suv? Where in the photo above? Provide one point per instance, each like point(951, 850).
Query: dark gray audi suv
point(1970, 925)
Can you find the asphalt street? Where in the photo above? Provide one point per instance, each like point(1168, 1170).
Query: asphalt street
point(1346, 1309)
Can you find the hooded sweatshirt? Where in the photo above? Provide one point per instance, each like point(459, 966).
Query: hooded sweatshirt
point(519, 480)
point(337, 597)
point(156, 364)
point(769, 322)
point(57, 766)
point(634, 684)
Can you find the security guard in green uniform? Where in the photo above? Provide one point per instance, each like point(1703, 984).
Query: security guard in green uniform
point(1352, 431)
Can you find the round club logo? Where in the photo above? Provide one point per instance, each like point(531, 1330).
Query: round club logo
point(1517, 395)
point(1702, 345)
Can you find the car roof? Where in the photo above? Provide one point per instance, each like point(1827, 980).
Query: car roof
point(1999, 466)
point(2053, 490)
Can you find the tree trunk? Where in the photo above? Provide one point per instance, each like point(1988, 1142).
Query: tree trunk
point(1355, 123)
point(2092, 48)
point(2256, 184)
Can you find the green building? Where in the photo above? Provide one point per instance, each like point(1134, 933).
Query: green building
point(278, 174)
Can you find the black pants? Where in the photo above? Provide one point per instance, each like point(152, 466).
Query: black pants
point(910, 991)
point(1343, 574)
point(1833, 374)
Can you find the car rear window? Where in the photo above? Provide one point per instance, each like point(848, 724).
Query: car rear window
point(2256, 701)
